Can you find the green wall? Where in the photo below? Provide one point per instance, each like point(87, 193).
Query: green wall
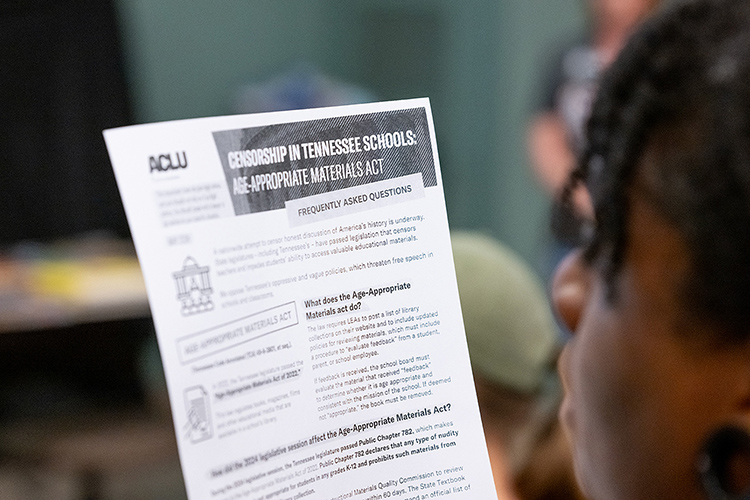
point(479, 61)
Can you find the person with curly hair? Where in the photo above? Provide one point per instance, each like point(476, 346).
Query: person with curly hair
point(656, 374)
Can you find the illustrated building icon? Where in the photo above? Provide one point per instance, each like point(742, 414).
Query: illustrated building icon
point(193, 288)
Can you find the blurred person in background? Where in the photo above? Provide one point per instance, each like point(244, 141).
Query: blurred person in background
point(656, 375)
point(513, 348)
point(556, 132)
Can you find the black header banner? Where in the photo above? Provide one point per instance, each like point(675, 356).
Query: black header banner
point(267, 166)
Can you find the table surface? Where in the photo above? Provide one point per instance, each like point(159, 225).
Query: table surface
point(68, 283)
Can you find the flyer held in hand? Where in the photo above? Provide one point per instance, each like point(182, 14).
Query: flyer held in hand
point(300, 277)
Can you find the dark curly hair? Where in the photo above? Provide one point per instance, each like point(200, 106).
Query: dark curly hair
point(679, 95)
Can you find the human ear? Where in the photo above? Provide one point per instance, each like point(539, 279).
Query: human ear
point(570, 290)
point(723, 464)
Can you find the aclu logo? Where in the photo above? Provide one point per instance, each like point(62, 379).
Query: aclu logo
point(167, 162)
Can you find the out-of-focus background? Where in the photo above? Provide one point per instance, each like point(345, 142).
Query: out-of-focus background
point(82, 412)
point(481, 63)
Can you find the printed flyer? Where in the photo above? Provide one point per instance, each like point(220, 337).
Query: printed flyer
point(301, 281)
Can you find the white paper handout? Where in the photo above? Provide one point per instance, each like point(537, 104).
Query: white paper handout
point(300, 276)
